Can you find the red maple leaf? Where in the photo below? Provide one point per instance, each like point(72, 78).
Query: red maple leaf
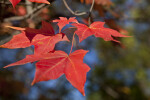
point(42, 44)
point(64, 21)
point(53, 65)
point(97, 29)
point(29, 58)
point(45, 44)
point(46, 30)
point(15, 2)
point(30, 33)
point(44, 39)
point(18, 41)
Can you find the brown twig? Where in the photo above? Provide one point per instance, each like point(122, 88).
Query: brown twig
point(74, 13)
point(72, 42)
point(90, 11)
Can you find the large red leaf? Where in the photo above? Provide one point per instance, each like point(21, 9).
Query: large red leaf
point(53, 65)
point(60, 63)
point(97, 29)
point(63, 21)
point(15, 2)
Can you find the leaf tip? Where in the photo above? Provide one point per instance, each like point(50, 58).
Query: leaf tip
point(82, 92)
point(32, 83)
point(48, 3)
point(6, 66)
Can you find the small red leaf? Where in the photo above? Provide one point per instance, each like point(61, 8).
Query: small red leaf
point(45, 44)
point(40, 1)
point(46, 29)
point(63, 21)
point(15, 2)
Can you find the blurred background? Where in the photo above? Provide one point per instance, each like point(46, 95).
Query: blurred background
point(118, 71)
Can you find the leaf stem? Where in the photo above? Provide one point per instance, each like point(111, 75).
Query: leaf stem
point(72, 42)
point(67, 29)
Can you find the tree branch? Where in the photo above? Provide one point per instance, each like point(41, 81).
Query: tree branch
point(90, 11)
point(8, 3)
point(33, 13)
point(92, 6)
point(74, 13)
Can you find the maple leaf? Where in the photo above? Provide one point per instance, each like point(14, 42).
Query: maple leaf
point(53, 65)
point(40, 1)
point(46, 29)
point(42, 43)
point(28, 59)
point(18, 41)
point(15, 2)
point(97, 29)
point(45, 44)
point(64, 21)
point(60, 63)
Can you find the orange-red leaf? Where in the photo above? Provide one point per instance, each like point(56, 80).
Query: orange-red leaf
point(42, 43)
point(60, 63)
point(97, 29)
point(15, 2)
point(18, 41)
point(28, 59)
point(45, 44)
point(40, 1)
point(63, 21)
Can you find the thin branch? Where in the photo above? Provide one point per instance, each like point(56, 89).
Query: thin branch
point(34, 11)
point(8, 3)
point(90, 11)
point(74, 13)
point(92, 6)
point(68, 7)
point(29, 8)
point(38, 11)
